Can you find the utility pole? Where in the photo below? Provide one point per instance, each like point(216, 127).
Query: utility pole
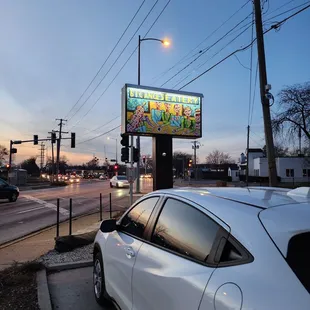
point(247, 156)
point(42, 150)
point(264, 88)
point(59, 143)
point(53, 157)
point(195, 146)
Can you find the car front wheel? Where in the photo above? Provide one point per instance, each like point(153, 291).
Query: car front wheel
point(101, 295)
point(13, 197)
point(111, 185)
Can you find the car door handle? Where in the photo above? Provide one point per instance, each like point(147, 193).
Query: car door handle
point(130, 253)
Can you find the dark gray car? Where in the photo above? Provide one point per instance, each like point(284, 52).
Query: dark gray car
point(8, 191)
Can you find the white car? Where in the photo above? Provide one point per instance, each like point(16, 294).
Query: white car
point(119, 181)
point(207, 248)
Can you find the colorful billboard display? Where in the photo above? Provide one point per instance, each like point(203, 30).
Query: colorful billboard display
point(153, 111)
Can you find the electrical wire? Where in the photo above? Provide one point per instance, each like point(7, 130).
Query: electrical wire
point(111, 67)
point(251, 67)
point(153, 24)
point(202, 64)
point(206, 50)
point(93, 130)
point(278, 24)
point(98, 136)
point(187, 57)
point(254, 92)
point(120, 38)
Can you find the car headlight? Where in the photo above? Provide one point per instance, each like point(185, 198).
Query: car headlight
point(77, 180)
point(71, 180)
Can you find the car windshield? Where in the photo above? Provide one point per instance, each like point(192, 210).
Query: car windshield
point(122, 177)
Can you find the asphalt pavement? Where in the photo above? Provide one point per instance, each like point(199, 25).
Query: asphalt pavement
point(36, 209)
point(72, 289)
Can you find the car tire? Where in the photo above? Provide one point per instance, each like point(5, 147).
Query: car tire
point(117, 185)
point(101, 295)
point(111, 185)
point(13, 197)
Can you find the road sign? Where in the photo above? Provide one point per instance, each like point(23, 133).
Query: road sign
point(131, 174)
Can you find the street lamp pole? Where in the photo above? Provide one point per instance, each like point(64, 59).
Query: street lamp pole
point(164, 42)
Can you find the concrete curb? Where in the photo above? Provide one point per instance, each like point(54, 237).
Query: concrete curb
point(72, 265)
point(44, 298)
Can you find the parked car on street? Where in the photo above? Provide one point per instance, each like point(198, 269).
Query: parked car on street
point(119, 181)
point(207, 248)
point(8, 191)
point(103, 177)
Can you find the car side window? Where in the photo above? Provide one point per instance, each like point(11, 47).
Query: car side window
point(2, 183)
point(137, 218)
point(185, 230)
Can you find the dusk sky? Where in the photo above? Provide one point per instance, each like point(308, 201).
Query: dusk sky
point(51, 50)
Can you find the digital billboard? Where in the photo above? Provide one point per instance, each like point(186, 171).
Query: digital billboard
point(153, 111)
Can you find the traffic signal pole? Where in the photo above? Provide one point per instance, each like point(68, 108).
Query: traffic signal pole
point(131, 166)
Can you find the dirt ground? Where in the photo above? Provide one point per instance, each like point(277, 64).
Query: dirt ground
point(18, 287)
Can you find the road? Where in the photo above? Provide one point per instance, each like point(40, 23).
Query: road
point(36, 209)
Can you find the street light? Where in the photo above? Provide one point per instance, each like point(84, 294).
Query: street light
point(110, 138)
point(166, 43)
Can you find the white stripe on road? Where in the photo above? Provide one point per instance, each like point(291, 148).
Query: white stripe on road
point(47, 204)
point(29, 210)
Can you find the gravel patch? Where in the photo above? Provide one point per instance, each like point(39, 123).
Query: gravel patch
point(53, 257)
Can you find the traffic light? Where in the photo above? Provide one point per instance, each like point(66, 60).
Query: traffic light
point(116, 167)
point(13, 150)
point(72, 140)
point(190, 163)
point(53, 137)
point(35, 139)
point(136, 154)
point(7, 166)
point(125, 154)
point(125, 140)
point(143, 159)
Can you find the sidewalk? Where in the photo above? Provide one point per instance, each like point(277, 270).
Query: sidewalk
point(32, 247)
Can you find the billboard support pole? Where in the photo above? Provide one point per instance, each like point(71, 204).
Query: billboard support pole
point(162, 156)
point(131, 165)
point(138, 138)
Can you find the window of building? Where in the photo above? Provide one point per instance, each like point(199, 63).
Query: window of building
point(136, 220)
point(290, 173)
point(185, 230)
point(306, 173)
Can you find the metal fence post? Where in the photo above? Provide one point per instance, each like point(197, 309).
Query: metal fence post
point(100, 207)
point(57, 220)
point(70, 217)
point(110, 205)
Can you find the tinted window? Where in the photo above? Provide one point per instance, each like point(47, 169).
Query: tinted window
point(121, 177)
point(298, 258)
point(135, 221)
point(185, 230)
point(2, 182)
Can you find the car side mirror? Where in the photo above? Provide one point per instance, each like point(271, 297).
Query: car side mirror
point(108, 226)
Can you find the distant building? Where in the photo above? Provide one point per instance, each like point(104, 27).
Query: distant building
point(289, 169)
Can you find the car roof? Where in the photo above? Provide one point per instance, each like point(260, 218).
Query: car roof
point(261, 197)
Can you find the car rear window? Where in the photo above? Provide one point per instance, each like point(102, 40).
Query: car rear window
point(121, 178)
point(298, 257)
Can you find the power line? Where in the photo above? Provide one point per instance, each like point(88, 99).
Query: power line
point(245, 47)
point(110, 121)
point(254, 92)
point(202, 64)
point(107, 57)
point(111, 67)
point(203, 41)
point(98, 136)
point(119, 71)
point(206, 50)
point(251, 67)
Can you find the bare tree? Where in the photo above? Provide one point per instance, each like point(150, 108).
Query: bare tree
point(293, 113)
point(217, 157)
point(3, 153)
